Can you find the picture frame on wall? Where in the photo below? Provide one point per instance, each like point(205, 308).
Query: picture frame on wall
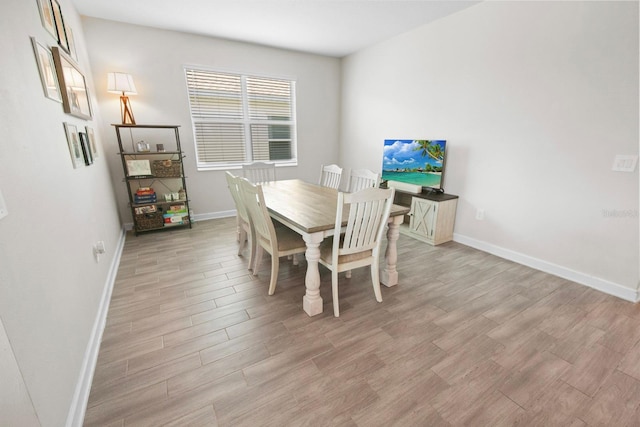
point(93, 144)
point(75, 96)
point(86, 150)
point(46, 68)
point(73, 142)
point(60, 27)
point(46, 15)
point(72, 44)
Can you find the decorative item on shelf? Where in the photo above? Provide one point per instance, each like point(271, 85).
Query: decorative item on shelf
point(122, 83)
point(166, 168)
point(160, 148)
point(142, 147)
point(138, 167)
point(182, 195)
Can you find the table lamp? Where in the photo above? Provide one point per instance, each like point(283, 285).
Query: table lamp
point(122, 83)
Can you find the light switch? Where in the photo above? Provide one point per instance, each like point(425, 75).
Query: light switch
point(625, 163)
point(3, 207)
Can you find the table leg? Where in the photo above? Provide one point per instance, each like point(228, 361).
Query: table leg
point(312, 301)
point(389, 275)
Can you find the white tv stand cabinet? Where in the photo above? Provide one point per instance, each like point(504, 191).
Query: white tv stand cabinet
point(432, 215)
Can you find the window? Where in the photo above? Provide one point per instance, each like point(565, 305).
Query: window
point(239, 119)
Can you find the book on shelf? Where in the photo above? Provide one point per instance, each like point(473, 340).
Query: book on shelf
point(146, 209)
point(145, 191)
point(145, 199)
point(175, 219)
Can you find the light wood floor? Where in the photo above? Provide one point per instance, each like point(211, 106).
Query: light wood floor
point(466, 338)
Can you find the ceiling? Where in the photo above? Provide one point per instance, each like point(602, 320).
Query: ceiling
point(326, 27)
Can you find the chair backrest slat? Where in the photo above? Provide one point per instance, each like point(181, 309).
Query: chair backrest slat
point(360, 179)
point(253, 198)
point(234, 189)
point(259, 172)
point(368, 213)
point(330, 176)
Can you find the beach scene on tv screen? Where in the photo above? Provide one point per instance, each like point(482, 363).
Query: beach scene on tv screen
point(414, 161)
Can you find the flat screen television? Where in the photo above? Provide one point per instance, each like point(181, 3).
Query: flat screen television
point(414, 161)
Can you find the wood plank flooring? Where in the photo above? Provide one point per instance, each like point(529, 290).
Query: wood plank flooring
point(466, 338)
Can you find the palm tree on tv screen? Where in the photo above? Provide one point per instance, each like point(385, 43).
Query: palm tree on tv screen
point(430, 149)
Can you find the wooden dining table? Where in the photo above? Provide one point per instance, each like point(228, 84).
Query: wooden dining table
point(310, 210)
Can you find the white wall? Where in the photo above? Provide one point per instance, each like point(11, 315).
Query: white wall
point(535, 100)
point(50, 284)
point(156, 59)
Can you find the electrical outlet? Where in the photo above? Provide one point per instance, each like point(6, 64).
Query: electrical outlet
point(98, 249)
point(480, 214)
point(625, 163)
point(3, 207)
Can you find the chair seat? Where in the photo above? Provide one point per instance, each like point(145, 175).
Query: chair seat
point(326, 252)
point(289, 240)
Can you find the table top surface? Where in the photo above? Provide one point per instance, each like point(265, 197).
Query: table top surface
point(310, 208)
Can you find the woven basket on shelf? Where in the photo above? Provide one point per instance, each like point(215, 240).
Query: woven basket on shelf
point(149, 221)
point(166, 168)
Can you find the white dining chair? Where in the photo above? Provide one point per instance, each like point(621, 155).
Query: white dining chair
point(359, 245)
point(243, 223)
point(259, 172)
point(330, 176)
point(362, 178)
point(277, 241)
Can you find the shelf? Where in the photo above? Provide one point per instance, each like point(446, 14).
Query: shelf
point(159, 202)
point(137, 177)
point(165, 226)
point(119, 125)
point(158, 164)
point(150, 153)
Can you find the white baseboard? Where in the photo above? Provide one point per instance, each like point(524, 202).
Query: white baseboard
point(75, 418)
point(597, 283)
point(201, 217)
point(214, 215)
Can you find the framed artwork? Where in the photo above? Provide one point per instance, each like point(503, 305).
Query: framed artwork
point(93, 144)
point(72, 44)
point(46, 15)
point(86, 150)
point(75, 97)
point(44, 59)
point(73, 141)
point(138, 167)
point(59, 21)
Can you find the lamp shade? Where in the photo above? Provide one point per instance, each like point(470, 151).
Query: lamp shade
point(121, 83)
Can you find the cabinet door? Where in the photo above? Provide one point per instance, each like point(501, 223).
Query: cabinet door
point(423, 217)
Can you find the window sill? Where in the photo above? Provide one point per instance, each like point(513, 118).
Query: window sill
point(233, 166)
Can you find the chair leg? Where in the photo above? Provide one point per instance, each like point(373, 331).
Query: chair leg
point(275, 265)
point(257, 260)
point(295, 259)
point(252, 251)
point(334, 291)
point(347, 274)
point(242, 240)
point(375, 279)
